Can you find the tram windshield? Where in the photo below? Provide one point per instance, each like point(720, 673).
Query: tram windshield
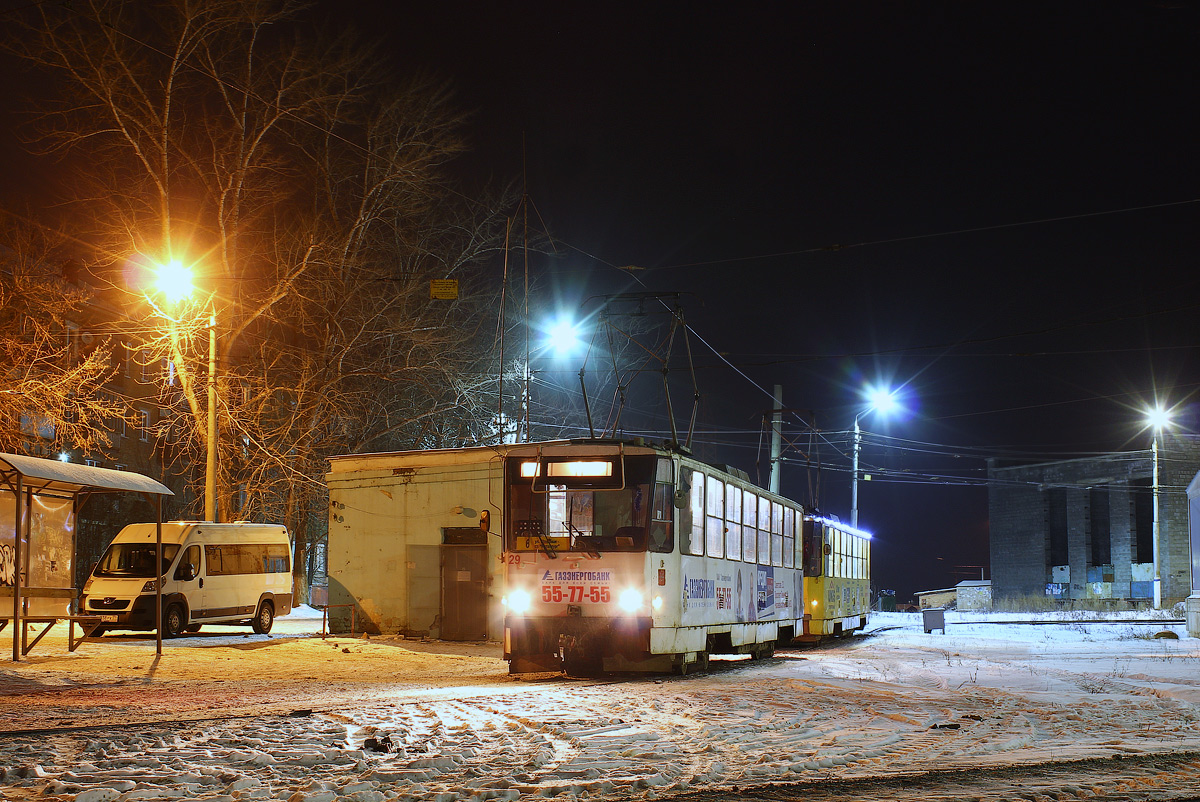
point(567, 511)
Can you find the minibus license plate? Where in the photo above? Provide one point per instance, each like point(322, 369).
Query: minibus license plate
point(108, 619)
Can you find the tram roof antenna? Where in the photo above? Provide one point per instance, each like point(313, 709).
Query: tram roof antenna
point(634, 304)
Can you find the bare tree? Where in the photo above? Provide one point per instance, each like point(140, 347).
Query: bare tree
point(312, 198)
point(50, 378)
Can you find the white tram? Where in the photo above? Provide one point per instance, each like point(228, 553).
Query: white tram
point(621, 556)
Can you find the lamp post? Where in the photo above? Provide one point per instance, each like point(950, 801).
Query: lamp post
point(1158, 419)
point(560, 338)
point(210, 463)
point(880, 400)
point(175, 282)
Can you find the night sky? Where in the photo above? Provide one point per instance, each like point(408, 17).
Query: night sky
point(990, 204)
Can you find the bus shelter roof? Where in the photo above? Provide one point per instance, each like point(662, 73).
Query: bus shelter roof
point(45, 477)
point(67, 478)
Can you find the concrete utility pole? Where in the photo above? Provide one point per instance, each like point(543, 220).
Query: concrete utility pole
point(776, 440)
point(1155, 530)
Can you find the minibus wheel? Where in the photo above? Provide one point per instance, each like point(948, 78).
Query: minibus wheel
point(173, 621)
point(264, 618)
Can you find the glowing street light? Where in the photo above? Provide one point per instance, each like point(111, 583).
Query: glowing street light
point(1157, 419)
point(882, 400)
point(174, 281)
point(563, 337)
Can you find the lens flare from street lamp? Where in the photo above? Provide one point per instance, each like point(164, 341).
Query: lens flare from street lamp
point(563, 337)
point(174, 281)
point(882, 400)
point(1158, 418)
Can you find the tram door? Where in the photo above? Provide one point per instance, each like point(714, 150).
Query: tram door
point(464, 583)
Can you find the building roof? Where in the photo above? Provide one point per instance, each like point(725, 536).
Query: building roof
point(67, 478)
point(939, 590)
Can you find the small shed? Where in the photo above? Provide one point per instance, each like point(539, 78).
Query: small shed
point(942, 597)
point(970, 594)
point(39, 507)
point(414, 542)
point(974, 594)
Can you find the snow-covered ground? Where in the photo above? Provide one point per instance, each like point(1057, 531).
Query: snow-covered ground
point(983, 710)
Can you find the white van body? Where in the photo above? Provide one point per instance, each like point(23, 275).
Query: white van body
point(234, 573)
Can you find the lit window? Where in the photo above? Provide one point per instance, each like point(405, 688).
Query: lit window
point(577, 468)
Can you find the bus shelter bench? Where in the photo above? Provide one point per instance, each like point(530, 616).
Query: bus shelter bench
point(87, 623)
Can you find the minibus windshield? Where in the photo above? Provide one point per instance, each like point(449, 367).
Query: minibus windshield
point(134, 559)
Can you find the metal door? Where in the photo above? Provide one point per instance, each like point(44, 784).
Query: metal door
point(464, 592)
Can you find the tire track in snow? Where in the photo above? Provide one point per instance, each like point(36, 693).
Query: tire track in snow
point(768, 725)
point(1159, 777)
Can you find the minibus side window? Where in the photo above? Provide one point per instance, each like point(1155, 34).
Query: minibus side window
point(213, 557)
point(189, 565)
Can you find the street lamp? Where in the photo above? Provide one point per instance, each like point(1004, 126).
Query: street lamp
point(562, 336)
point(1157, 419)
point(174, 281)
point(879, 400)
point(559, 338)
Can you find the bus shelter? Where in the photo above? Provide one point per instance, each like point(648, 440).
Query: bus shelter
point(40, 500)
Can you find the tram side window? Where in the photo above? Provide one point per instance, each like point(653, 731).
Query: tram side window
point(765, 553)
point(789, 538)
point(715, 519)
point(661, 537)
point(814, 538)
point(749, 519)
point(691, 517)
point(776, 533)
point(733, 522)
point(831, 555)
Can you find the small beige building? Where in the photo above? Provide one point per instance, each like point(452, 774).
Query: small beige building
point(942, 597)
point(974, 594)
point(415, 543)
point(970, 594)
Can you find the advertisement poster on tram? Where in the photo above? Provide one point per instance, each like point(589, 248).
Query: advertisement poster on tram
point(766, 592)
point(699, 593)
point(577, 586)
point(783, 599)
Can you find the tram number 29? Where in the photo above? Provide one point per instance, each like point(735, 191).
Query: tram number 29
point(576, 593)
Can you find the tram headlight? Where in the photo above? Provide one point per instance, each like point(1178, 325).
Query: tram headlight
point(631, 600)
point(519, 601)
point(657, 603)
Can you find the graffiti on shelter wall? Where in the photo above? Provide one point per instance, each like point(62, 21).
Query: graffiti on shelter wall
point(8, 565)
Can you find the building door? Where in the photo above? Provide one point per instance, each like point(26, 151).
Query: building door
point(464, 584)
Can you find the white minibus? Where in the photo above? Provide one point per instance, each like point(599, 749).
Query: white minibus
point(232, 573)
